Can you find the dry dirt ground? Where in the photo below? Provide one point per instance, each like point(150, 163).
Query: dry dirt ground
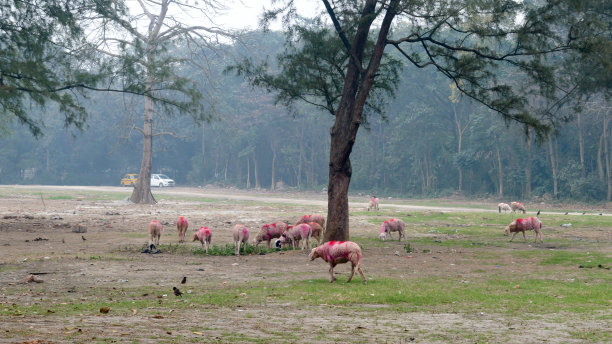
point(39, 234)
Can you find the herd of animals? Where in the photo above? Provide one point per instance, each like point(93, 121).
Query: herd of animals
point(312, 226)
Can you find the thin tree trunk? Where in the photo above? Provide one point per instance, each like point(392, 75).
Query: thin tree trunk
point(607, 152)
point(257, 185)
point(553, 165)
point(203, 149)
point(273, 163)
point(600, 166)
point(581, 145)
point(500, 173)
point(528, 167)
point(248, 181)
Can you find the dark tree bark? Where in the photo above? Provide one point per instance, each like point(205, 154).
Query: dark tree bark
point(357, 85)
point(142, 190)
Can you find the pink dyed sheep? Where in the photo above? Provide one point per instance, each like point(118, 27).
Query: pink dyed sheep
point(241, 236)
point(338, 252)
point(320, 219)
point(393, 225)
point(155, 229)
point(181, 227)
point(373, 204)
point(269, 232)
point(204, 235)
point(503, 206)
point(317, 231)
point(517, 206)
point(522, 225)
point(296, 233)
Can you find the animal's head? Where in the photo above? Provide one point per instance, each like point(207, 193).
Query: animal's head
point(382, 236)
point(313, 254)
point(195, 237)
point(507, 231)
point(257, 239)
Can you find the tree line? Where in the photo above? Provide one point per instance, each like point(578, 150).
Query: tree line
point(429, 142)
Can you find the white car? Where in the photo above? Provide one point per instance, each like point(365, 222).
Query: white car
point(161, 180)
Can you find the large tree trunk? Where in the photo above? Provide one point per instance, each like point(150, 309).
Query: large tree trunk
point(357, 86)
point(142, 190)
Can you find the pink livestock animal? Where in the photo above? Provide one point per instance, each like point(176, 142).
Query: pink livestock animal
point(373, 204)
point(204, 235)
point(393, 225)
point(269, 232)
point(181, 227)
point(522, 225)
point(296, 233)
point(338, 252)
point(320, 219)
point(241, 236)
point(155, 229)
point(517, 206)
point(317, 231)
point(503, 206)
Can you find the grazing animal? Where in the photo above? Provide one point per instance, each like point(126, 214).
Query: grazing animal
point(338, 252)
point(503, 206)
point(155, 230)
point(522, 225)
point(320, 219)
point(204, 235)
point(241, 236)
point(393, 225)
point(317, 231)
point(177, 292)
point(296, 233)
point(181, 227)
point(373, 203)
point(269, 232)
point(518, 206)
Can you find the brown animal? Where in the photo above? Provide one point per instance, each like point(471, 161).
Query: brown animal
point(155, 229)
point(317, 231)
point(269, 232)
point(518, 206)
point(181, 227)
point(522, 225)
point(320, 219)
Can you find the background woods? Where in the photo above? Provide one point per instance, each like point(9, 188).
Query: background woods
point(429, 143)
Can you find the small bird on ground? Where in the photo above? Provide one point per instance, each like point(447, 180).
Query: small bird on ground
point(83, 237)
point(177, 292)
point(566, 213)
point(538, 214)
point(184, 280)
point(584, 213)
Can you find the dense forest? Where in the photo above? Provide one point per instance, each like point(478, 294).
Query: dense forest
point(431, 141)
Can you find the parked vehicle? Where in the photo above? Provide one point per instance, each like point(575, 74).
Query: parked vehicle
point(129, 179)
point(161, 180)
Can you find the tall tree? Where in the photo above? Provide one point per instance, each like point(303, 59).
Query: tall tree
point(149, 42)
point(467, 41)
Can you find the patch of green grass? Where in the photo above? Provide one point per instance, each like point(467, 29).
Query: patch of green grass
point(215, 250)
point(592, 335)
point(65, 197)
point(587, 259)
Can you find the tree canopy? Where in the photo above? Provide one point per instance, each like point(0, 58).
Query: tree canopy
point(503, 54)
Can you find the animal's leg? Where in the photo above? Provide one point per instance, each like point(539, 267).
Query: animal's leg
point(331, 273)
point(352, 272)
point(361, 273)
point(513, 234)
point(524, 237)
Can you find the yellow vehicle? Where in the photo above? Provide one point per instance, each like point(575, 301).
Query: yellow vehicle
point(129, 179)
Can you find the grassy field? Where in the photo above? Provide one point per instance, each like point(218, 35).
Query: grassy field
point(455, 279)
